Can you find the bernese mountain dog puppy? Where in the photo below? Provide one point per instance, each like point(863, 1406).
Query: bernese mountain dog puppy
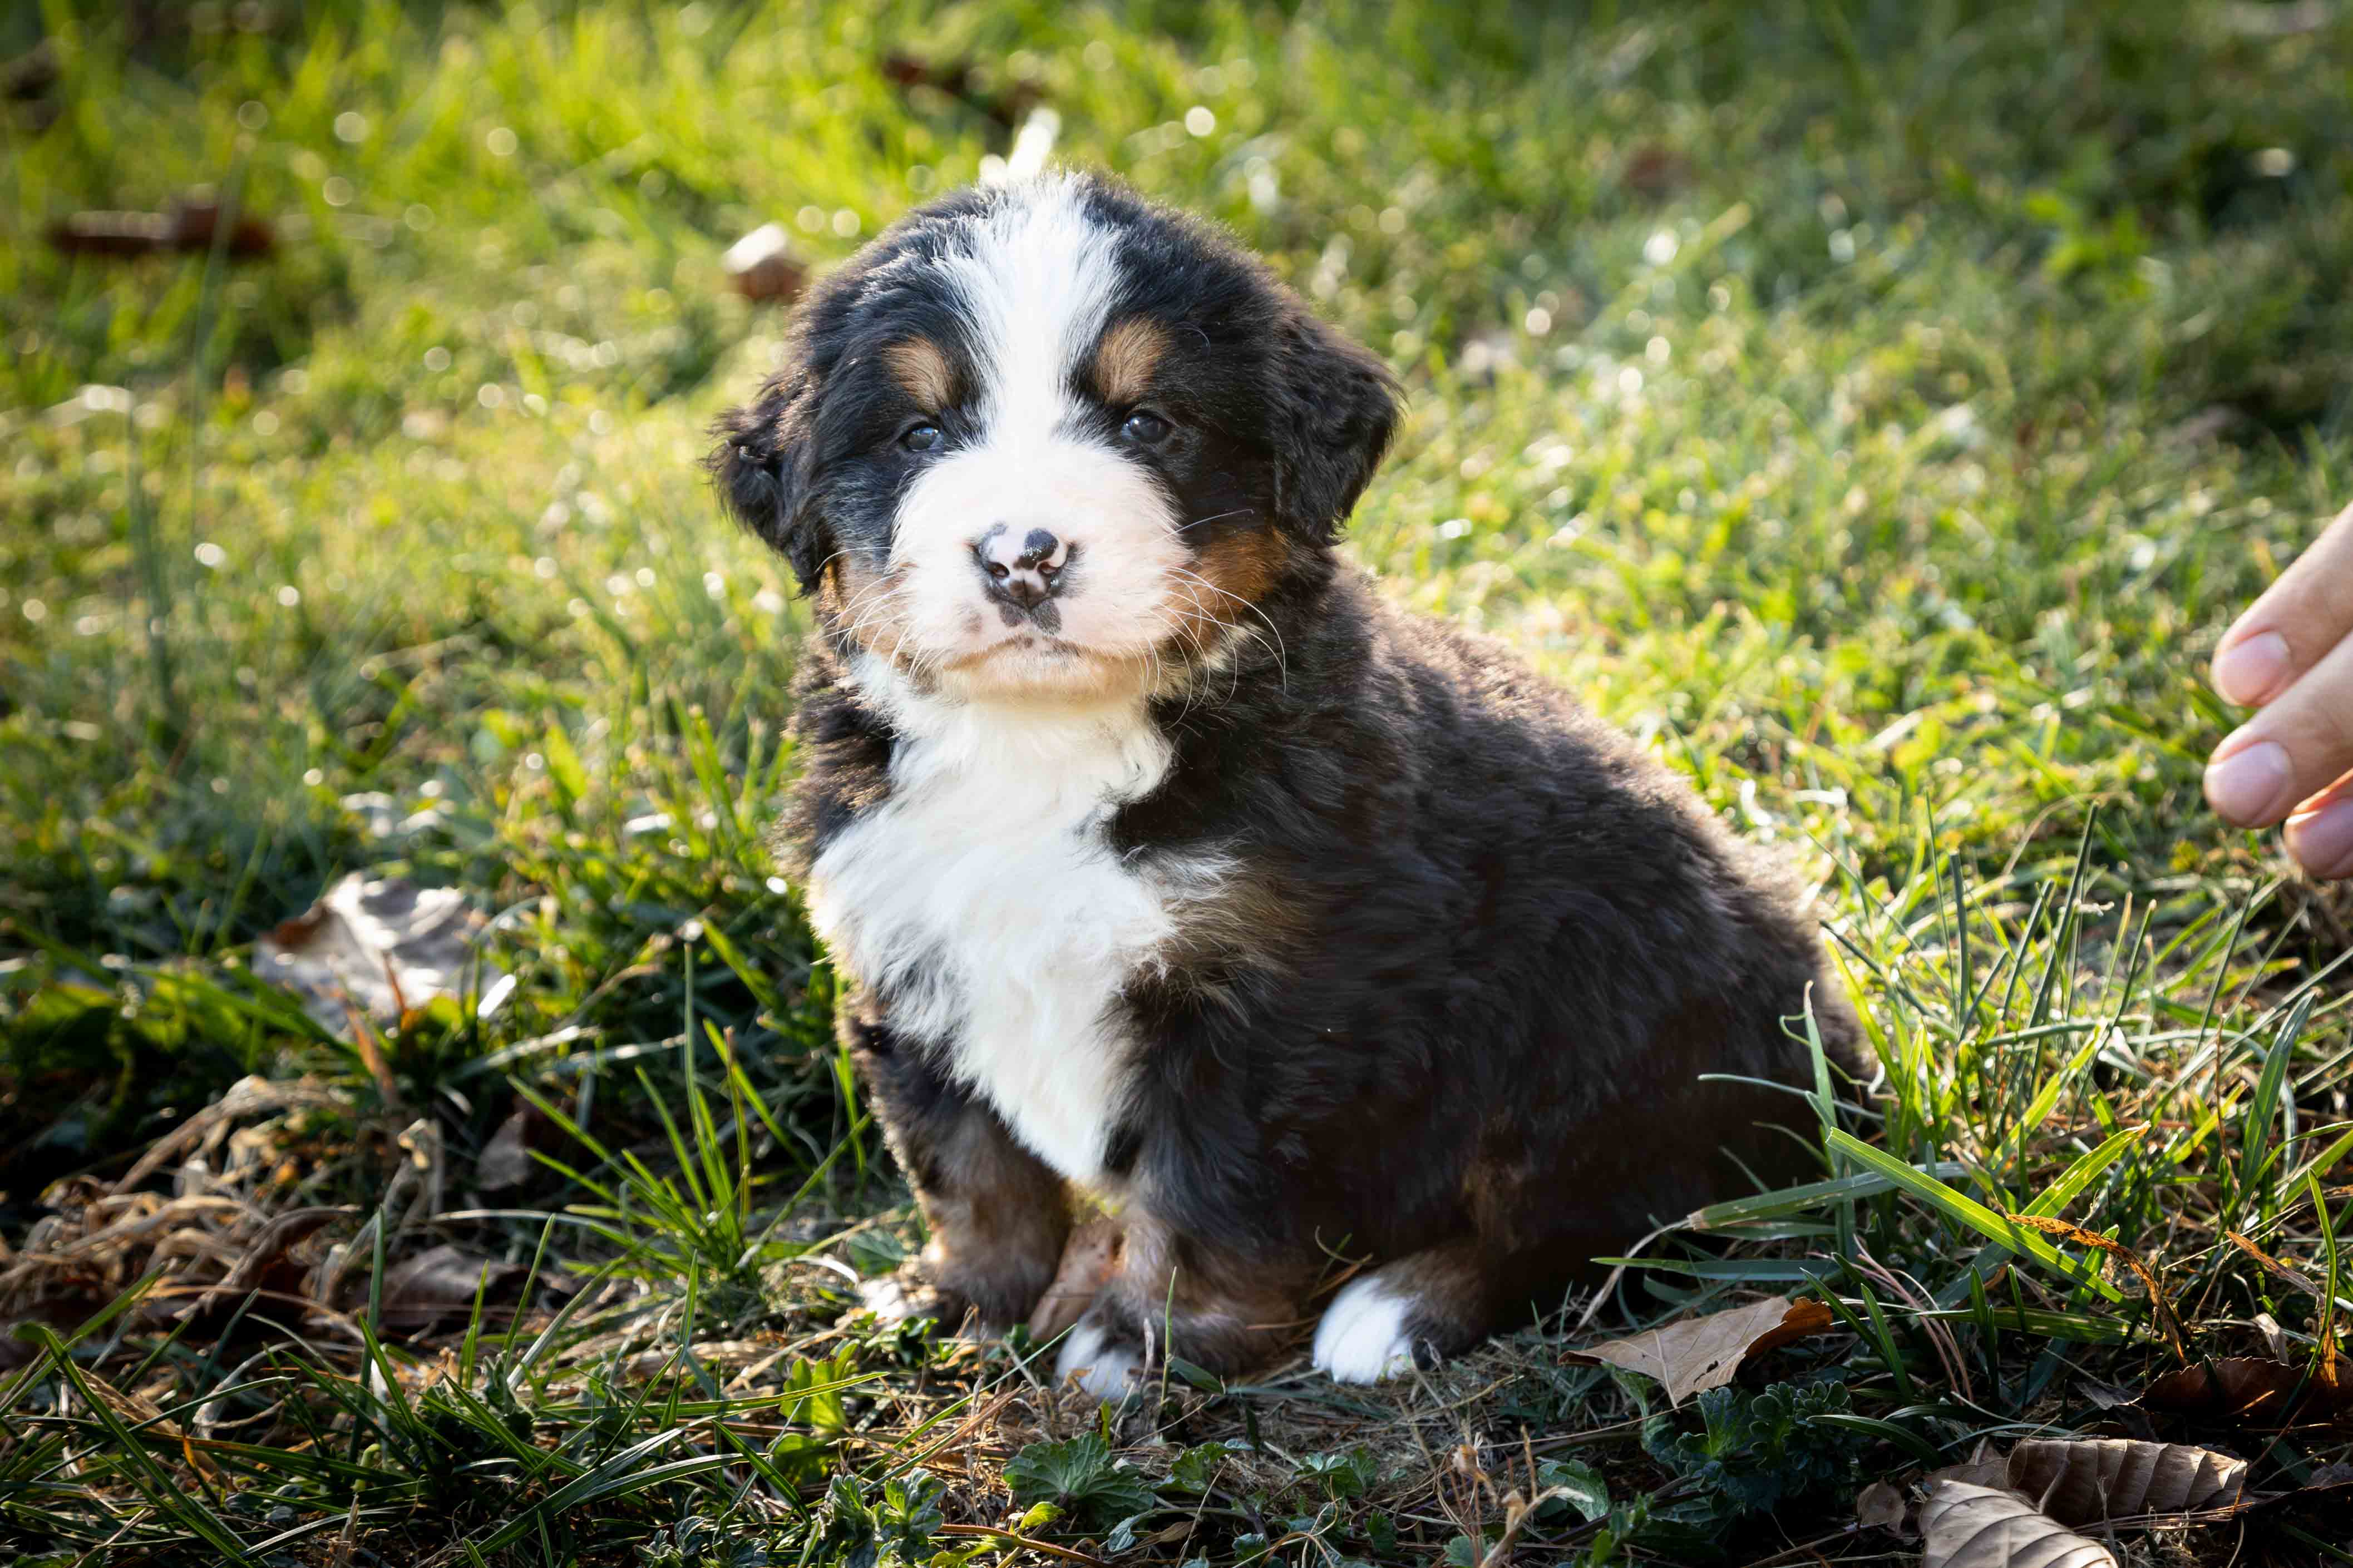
point(1177, 877)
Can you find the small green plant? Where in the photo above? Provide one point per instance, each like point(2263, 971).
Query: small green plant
point(1079, 1476)
point(699, 1541)
point(1348, 1473)
point(1753, 1453)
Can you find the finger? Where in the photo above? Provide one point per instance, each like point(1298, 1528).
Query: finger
point(2298, 619)
point(2320, 832)
point(2292, 750)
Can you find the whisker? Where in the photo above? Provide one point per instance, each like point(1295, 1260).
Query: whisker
point(1214, 517)
point(1282, 654)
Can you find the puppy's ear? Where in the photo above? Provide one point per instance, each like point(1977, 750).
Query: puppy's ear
point(762, 467)
point(1336, 407)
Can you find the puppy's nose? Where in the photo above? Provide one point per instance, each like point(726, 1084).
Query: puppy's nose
point(1026, 567)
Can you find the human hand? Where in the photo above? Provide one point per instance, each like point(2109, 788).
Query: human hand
point(2291, 656)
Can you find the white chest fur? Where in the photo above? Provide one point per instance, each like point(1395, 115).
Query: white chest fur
point(982, 898)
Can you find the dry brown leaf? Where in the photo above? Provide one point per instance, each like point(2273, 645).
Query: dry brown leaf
point(505, 1162)
point(763, 267)
point(1699, 1354)
point(1983, 1527)
point(438, 1284)
point(1880, 1506)
point(189, 228)
point(2066, 1231)
point(2249, 1391)
point(2088, 1480)
point(1656, 170)
point(1983, 1468)
point(371, 951)
point(2293, 1278)
point(267, 1266)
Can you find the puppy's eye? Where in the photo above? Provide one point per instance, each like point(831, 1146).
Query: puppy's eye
point(923, 438)
point(1146, 428)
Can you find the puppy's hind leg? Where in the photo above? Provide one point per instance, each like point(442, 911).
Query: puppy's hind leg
point(1420, 1308)
point(1413, 1312)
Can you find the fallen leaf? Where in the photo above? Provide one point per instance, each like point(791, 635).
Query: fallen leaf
point(1656, 170)
point(188, 228)
point(2247, 1390)
point(1983, 1468)
point(2066, 1231)
point(1699, 1354)
point(439, 1283)
point(2106, 1395)
point(1982, 1527)
point(958, 79)
point(2092, 1479)
point(505, 1162)
point(763, 267)
point(1880, 1507)
point(267, 1265)
point(372, 951)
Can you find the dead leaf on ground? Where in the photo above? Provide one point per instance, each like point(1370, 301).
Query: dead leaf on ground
point(1656, 170)
point(373, 950)
point(2249, 1391)
point(2088, 1480)
point(438, 1284)
point(269, 1266)
point(505, 1162)
point(193, 227)
point(762, 265)
point(1699, 1354)
point(1983, 1527)
point(1983, 1468)
point(961, 79)
point(2067, 1231)
point(1880, 1506)
point(2293, 1278)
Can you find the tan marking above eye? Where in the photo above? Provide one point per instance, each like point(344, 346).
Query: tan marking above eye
point(922, 367)
point(1127, 357)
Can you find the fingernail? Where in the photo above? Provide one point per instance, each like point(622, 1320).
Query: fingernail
point(2251, 787)
point(2248, 672)
point(2322, 841)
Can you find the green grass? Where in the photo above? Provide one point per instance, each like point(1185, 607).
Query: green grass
point(1879, 407)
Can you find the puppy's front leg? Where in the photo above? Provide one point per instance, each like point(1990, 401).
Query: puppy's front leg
point(1160, 1294)
point(998, 1215)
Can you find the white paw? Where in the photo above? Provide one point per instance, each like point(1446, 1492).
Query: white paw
point(1101, 1370)
point(887, 1296)
point(1362, 1338)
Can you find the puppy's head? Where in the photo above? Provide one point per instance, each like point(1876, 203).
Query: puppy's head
point(1044, 440)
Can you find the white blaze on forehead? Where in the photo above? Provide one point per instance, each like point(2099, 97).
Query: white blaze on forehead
point(1037, 284)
